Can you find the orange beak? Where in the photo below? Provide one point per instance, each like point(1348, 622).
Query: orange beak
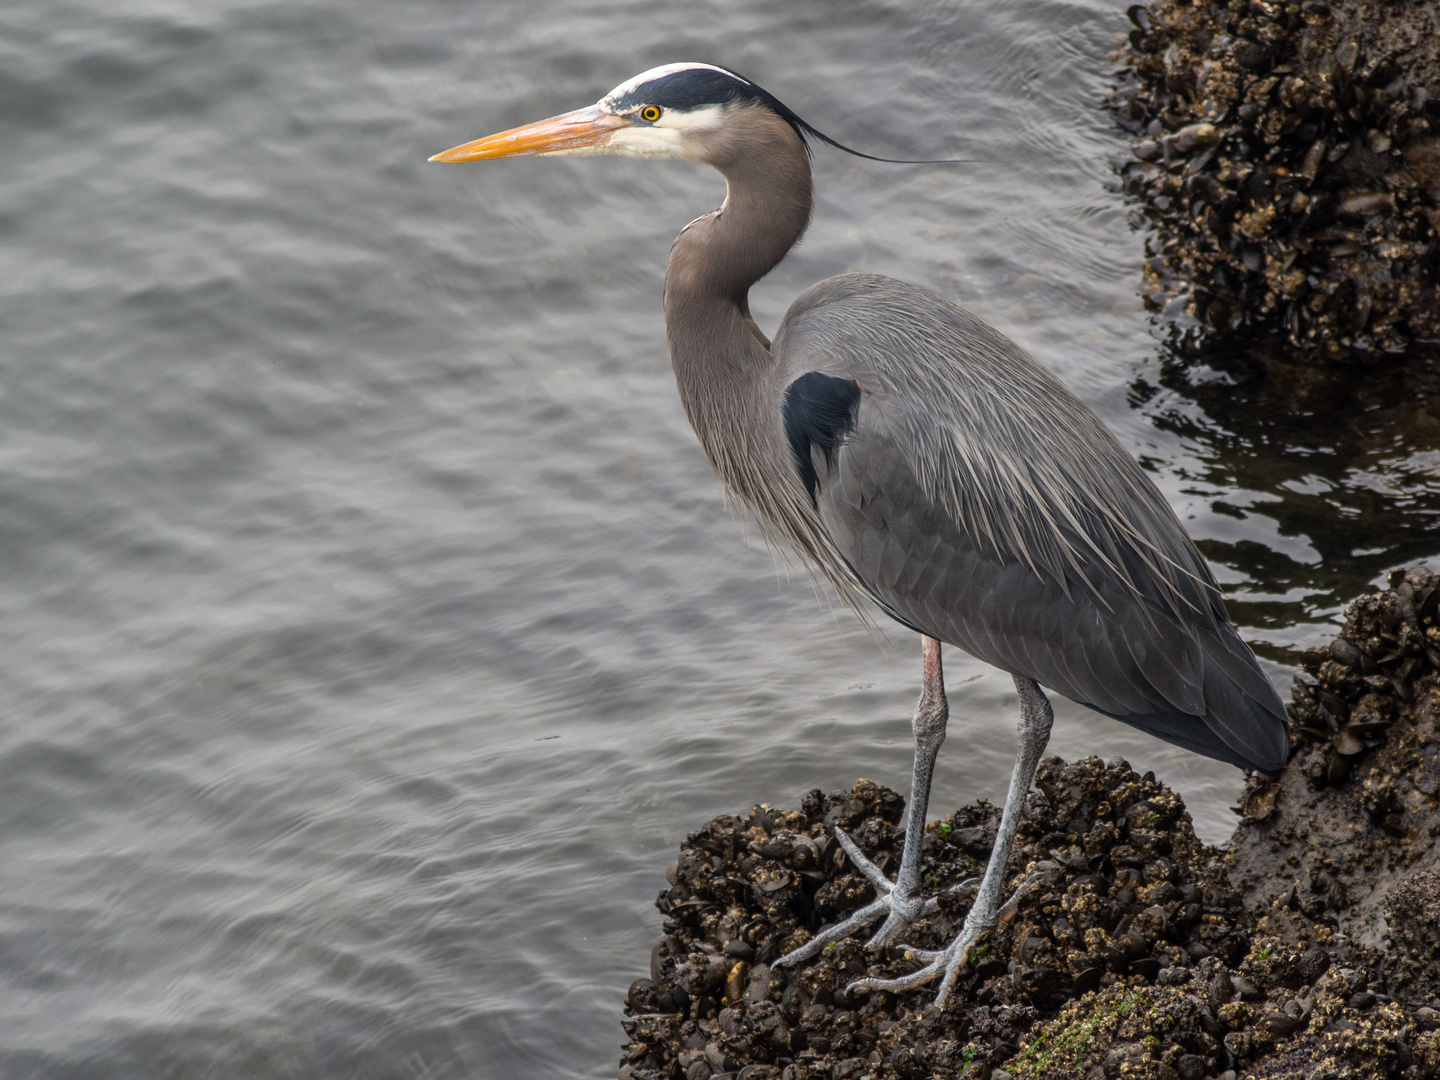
point(580, 131)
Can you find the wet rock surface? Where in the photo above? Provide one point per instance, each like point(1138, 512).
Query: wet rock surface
point(1120, 892)
point(1309, 948)
point(1346, 839)
point(1287, 156)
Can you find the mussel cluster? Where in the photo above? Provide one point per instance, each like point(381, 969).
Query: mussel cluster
point(1286, 1014)
point(1118, 892)
point(1367, 677)
point(1135, 952)
point(1287, 155)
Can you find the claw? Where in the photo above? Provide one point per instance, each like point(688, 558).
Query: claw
point(861, 862)
point(903, 910)
point(949, 962)
point(946, 962)
point(965, 886)
point(864, 917)
point(1006, 913)
point(912, 953)
point(986, 912)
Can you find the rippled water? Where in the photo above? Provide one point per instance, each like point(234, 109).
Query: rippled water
point(373, 625)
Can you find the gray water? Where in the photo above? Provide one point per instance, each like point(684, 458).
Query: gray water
point(372, 626)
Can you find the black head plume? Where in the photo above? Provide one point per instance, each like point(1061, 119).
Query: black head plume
point(692, 86)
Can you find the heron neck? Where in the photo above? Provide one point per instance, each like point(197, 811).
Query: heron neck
point(722, 360)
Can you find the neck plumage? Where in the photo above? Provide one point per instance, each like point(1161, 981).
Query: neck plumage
point(723, 365)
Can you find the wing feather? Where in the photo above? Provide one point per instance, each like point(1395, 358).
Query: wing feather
point(981, 502)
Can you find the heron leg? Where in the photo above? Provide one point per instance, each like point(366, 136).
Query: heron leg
point(1036, 718)
point(898, 899)
point(931, 715)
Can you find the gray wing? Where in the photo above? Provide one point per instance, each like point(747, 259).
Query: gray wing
point(980, 502)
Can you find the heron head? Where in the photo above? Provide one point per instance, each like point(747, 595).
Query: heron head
point(675, 111)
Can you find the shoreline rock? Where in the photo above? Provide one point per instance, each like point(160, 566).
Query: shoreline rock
point(1308, 947)
point(1347, 837)
point(1287, 157)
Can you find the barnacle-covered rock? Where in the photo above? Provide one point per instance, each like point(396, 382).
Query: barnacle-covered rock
point(1306, 950)
point(1121, 894)
point(1384, 663)
point(1346, 858)
point(1287, 156)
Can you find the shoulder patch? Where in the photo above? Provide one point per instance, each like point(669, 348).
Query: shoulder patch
point(819, 411)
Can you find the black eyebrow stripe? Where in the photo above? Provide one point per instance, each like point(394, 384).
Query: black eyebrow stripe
point(693, 88)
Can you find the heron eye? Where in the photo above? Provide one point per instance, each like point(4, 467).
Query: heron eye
point(650, 113)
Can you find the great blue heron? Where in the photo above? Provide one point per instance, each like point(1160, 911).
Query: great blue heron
point(916, 456)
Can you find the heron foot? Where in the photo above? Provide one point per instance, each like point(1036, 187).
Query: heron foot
point(902, 906)
point(986, 912)
point(900, 899)
point(947, 963)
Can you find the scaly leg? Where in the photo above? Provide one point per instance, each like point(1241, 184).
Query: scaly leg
point(1036, 719)
point(899, 899)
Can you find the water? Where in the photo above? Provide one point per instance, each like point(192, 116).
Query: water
point(373, 625)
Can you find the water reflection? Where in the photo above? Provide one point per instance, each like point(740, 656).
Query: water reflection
point(1344, 461)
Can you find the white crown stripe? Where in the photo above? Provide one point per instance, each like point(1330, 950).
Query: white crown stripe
point(659, 73)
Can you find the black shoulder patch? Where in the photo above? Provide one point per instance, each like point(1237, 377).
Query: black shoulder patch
point(819, 410)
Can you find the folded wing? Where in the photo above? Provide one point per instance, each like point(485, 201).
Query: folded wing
point(977, 500)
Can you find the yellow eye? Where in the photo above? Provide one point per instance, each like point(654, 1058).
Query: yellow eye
point(650, 113)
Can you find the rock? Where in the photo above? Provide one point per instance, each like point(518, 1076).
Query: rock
point(737, 981)
point(1280, 1025)
point(1306, 950)
point(1194, 137)
point(1357, 845)
point(1298, 192)
point(1367, 204)
point(641, 996)
point(740, 950)
point(761, 1014)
